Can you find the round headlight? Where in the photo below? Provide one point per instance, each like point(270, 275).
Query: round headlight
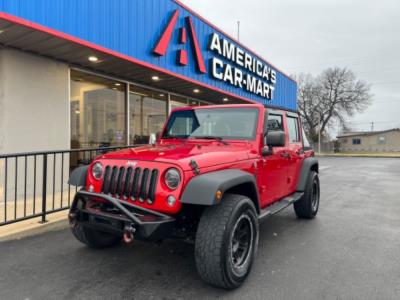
point(97, 170)
point(172, 178)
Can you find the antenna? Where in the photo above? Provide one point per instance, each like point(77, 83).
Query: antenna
point(238, 30)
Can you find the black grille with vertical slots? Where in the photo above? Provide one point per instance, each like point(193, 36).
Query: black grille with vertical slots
point(113, 180)
point(128, 182)
point(133, 183)
point(144, 185)
point(152, 186)
point(106, 181)
point(120, 181)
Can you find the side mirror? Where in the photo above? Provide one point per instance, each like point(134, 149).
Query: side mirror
point(276, 138)
point(266, 151)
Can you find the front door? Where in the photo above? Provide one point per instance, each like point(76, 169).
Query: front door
point(272, 179)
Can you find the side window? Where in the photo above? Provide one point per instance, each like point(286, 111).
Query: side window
point(273, 123)
point(306, 143)
point(293, 129)
point(356, 141)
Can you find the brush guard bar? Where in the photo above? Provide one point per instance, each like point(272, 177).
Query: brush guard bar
point(116, 216)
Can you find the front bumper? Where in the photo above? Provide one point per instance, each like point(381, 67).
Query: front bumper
point(116, 216)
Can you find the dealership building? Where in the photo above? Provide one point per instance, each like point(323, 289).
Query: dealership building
point(92, 73)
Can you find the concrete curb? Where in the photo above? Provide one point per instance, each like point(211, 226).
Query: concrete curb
point(359, 155)
point(33, 227)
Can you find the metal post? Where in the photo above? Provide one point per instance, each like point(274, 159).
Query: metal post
point(238, 30)
point(319, 136)
point(168, 104)
point(127, 114)
point(44, 189)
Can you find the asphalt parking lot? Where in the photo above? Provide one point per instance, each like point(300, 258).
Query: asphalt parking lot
point(350, 251)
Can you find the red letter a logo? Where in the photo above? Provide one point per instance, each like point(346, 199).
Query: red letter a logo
point(162, 45)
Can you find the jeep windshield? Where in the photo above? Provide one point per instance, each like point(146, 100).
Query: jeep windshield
point(213, 123)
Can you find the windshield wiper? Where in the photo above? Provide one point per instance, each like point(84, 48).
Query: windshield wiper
point(210, 137)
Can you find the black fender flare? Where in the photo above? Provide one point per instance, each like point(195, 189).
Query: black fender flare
point(309, 163)
point(202, 189)
point(78, 176)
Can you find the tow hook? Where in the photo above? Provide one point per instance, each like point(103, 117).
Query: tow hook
point(129, 232)
point(72, 220)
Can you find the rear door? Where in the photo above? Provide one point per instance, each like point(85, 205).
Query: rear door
point(295, 150)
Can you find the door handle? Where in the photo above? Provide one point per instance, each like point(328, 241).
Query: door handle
point(285, 154)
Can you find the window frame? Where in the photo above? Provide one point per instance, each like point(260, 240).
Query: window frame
point(297, 128)
point(253, 136)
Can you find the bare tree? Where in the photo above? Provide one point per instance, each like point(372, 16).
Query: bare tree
point(334, 95)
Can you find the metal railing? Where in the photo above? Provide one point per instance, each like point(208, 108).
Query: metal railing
point(35, 184)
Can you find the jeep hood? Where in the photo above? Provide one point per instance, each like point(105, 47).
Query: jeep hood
point(181, 154)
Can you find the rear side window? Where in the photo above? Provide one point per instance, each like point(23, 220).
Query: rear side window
point(306, 143)
point(293, 129)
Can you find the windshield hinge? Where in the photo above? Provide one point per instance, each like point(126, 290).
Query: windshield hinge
point(195, 167)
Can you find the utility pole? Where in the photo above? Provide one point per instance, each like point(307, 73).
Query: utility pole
point(372, 126)
point(238, 30)
point(319, 136)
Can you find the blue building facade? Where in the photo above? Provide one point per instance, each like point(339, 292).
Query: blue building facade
point(166, 35)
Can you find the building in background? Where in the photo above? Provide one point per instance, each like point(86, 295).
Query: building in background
point(371, 141)
point(88, 73)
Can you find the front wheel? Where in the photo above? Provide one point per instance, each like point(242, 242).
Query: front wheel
point(307, 206)
point(226, 241)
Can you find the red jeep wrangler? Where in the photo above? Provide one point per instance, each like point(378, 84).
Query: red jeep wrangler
point(209, 178)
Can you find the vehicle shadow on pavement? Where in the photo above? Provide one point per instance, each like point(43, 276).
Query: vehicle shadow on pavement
point(56, 265)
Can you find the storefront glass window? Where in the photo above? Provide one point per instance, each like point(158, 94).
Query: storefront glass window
point(193, 102)
point(97, 111)
point(148, 111)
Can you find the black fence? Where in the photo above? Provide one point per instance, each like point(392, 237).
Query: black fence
point(35, 184)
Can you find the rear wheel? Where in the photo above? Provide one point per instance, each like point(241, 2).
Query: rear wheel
point(307, 206)
point(94, 238)
point(226, 241)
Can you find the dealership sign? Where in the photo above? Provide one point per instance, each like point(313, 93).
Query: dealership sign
point(228, 63)
point(259, 78)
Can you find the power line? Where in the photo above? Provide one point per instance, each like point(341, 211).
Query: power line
point(375, 122)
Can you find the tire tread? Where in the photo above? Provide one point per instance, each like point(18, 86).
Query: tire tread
point(302, 207)
point(210, 241)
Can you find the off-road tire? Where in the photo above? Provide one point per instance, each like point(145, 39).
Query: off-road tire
point(214, 244)
point(306, 207)
point(94, 238)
